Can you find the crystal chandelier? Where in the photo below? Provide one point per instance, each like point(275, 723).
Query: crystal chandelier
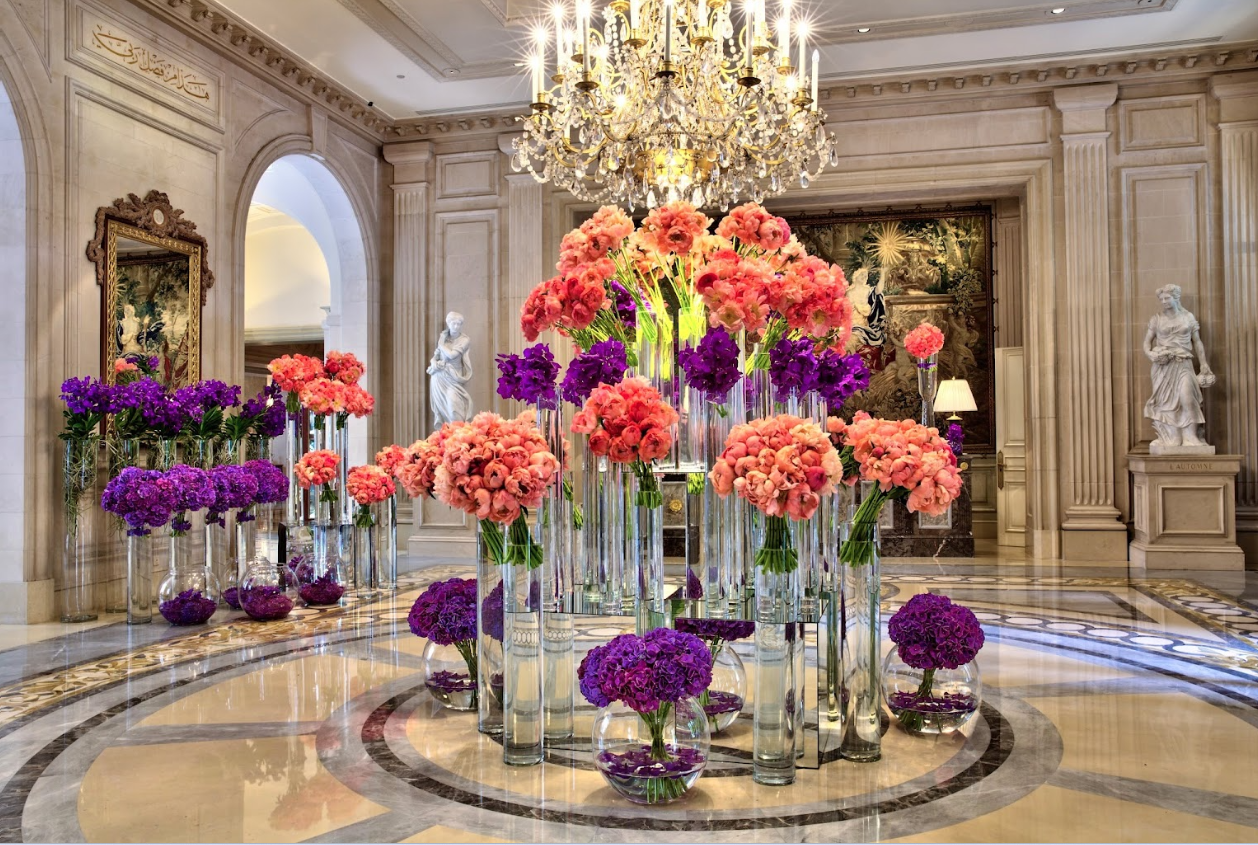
point(667, 100)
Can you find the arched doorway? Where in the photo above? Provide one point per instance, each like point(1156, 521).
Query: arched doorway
point(306, 273)
point(13, 225)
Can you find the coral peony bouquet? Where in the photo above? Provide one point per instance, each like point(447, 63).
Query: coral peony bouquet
point(924, 341)
point(368, 485)
point(630, 424)
point(496, 469)
point(782, 466)
point(906, 461)
point(317, 469)
point(292, 373)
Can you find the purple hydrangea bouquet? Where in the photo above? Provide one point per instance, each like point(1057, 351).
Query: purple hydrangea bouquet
point(656, 676)
point(445, 614)
point(723, 700)
point(143, 498)
point(937, 641)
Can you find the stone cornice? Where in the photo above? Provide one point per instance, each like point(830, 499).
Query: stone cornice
point(250, 48)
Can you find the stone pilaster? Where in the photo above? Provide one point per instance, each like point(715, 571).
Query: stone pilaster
point(1238, 130)
point(410, 287)
point(525, 261)
point(1092, 529)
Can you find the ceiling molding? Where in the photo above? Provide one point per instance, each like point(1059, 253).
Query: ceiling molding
point(250, 48)
point(1011, 78)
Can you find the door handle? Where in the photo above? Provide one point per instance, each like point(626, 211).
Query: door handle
point(1000, 470)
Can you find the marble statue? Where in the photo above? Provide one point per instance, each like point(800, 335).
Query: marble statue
point(1175, 404)
point(450, 370)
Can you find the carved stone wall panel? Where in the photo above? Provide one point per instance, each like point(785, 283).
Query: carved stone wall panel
point(364, 161)
point(463, 175)
point(1158, 123)
point(138, 58)
point(1165, 221)
point(943, 132)
point(250, 109)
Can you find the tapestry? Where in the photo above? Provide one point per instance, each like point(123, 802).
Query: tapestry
point(904, 267)
point(152, 312)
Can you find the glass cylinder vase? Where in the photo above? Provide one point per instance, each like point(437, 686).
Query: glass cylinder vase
point(296, 428)
point(386, 576)
point(644, 548)
point(523, 718)
point(340, 445)
point(558, 633)
point(929, 702)
point(139, 579)
point(777, 691)
point(860, 637)
point(489, 628)
point(81, 500)
point(927, 386)
point(164, 453)
point(324, 533)
point(121, 452)
point(367, 551)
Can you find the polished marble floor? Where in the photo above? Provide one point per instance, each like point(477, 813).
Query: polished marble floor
point(1116, 709)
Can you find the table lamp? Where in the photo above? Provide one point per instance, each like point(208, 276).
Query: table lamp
point(954, 397)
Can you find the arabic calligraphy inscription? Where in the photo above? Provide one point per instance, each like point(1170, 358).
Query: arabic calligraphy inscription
point(123, 50)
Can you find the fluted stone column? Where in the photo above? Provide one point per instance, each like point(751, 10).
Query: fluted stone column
point(525, 261)
point(1092, 529)
point(1238, 130)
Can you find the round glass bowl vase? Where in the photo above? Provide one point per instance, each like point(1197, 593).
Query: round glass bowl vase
point(319, 589)
point(448, 676)
point(266, 592)
point(942, 703)
point(186, 594)
point(727, 693)
point(653, 758)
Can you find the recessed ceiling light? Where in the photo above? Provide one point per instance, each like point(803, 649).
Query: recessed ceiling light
point(1058, 11)
point(862, 30)
point(451, 71)
point(401, 76)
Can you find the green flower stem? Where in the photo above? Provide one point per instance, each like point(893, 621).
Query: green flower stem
point(467, 648)
point(777, 555)
point(648, 495)
point(859, 548)
point(915, 720)
point(520, 548)
point(578, 517)
point(363, 517)
point(494, 541)
point(327, 493)
point(660, 790)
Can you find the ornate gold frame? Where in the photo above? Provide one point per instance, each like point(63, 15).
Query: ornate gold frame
point(151, 220)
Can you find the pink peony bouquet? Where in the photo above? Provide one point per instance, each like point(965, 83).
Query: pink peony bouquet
point(782, 465)
point(368, 485)
point(418, 473)
point(390, 458)
point(344, 367)
point(924, 341)
point(292, 373)
point(630, 423)
point(327, 397)
point(569, 303)
point(736, 292)
point(751, 225)
point(906, 461)
point(318, 469)
point(496, 469)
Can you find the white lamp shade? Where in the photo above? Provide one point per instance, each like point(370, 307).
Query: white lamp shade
point(954, 396)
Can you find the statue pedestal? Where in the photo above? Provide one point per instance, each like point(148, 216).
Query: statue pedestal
point(1184, 509)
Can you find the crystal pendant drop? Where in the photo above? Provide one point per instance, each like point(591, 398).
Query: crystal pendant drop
point(834, 156)
point(804, 181)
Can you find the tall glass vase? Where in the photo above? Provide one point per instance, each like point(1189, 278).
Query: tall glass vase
point(778, 691)
point(927, 386)
point(80, 499)
point(139, 579)
point(164, 453)
point(297, 425)
point(490, 624)
point(861, 641)
point(523, 701)
point(258, 448)
point(340, 445)
point(558, 574)
point(644, 551)
point(122, 452)
point(367, 551)
point(386, 573)
point(326, 548)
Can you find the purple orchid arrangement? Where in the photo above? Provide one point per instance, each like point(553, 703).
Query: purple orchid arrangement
point(604, 363)
point(188, 608)
point(712, 367)
point(839, 377)
point(145, 499)
point(130, 402)
point(194, 491)
point(257, 414)
point(491, 613)
point(164, 417)
point(445, 613)
point(87, 400)
point(203, 404)
point(931, 633)
point(955, 438)
point(235, 488)
point(793, 368)
point(622, 302)
point(529, 378)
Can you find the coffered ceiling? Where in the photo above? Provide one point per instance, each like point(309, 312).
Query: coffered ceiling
point(421, 57)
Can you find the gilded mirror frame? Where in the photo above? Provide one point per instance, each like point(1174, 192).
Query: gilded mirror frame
point(151, 220)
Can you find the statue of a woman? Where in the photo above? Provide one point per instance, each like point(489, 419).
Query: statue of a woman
point(1175, 404)
point(451, 369)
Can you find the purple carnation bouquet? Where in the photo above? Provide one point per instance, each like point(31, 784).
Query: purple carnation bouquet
point(194, 491)
point(445, 613)
point(649, 674)
point(144, 498)
point(272, 485)
point(932, 633)
point(716, 633)
point(235, 488)
point(529, 378)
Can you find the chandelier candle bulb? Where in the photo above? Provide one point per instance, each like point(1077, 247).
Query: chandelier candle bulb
point(816, 67)
point(784, 38)
point(668, 32)
point(585, 40)
point(749, 33)
point(803, 55)
point(634, 11)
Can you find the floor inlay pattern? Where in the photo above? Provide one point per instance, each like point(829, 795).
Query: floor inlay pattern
point(1135, 702)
